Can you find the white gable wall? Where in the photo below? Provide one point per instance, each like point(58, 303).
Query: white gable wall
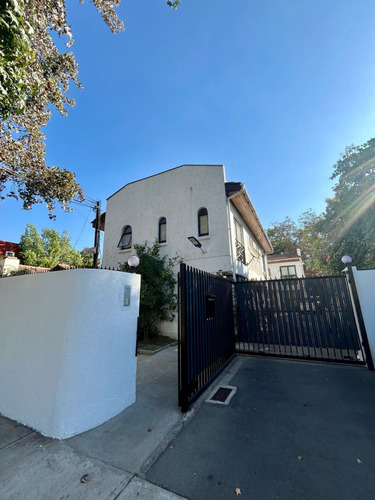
point(177, 195)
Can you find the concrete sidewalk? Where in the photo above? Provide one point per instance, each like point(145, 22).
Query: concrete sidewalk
point(108, 461)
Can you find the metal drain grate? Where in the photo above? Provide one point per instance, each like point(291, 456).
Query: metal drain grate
point(222, 395)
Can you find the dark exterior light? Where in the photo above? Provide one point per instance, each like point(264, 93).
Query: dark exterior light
point(194, 241)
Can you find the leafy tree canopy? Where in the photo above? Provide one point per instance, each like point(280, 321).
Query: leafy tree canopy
point(348, 226)
point(48, 248)
point(34, 78)
point(158, 301)
point(286, 236)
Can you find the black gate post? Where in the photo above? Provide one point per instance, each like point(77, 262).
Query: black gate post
point(357, 305)
point(182, 345)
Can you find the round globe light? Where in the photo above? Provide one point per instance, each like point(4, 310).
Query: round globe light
point(133, 261)
point(346, 259)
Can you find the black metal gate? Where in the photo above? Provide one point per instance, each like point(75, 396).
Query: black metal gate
point(309, 318)
point(206, 331)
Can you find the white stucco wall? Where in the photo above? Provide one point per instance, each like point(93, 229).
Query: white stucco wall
point(67, 349)
point(177, 195)
point(365, 282)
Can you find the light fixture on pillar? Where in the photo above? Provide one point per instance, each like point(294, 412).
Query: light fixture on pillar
point(346, 259)
point(196, 243)
point(133, 261)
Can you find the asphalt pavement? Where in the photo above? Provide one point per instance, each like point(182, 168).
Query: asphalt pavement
point(292, 431)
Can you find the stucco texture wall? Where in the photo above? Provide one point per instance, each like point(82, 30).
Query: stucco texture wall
point(177, 195)
point(365, 282)
point(67, 349)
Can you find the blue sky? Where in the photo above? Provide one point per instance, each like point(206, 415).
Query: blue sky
point(273, 89)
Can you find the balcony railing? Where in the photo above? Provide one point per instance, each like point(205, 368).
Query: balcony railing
point(240, 252)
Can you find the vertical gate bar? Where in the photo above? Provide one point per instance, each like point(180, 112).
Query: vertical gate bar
point(267, 305)
point(310, 317)
point(357, 305)
point(207, 332)
point(291, 314)
point(329, 313)
point(349, 318)
point(305, 323)
point(336, 333)
point(320, 287)
point(262, 316)
point(301, 328)
point(231, 319)
point(319, 326)
point(255, 315)
point(197, 330)
point(189, 349)
point(271, 332)
point(183, 349)
point(213, 333)
point(353, 323)
point(259, 314)
point(286, 313)
point(344, 326)
point(284, 318)
point(243, 289)
point(202, 326)
point(251, 313)
point(239, 314)
point(344, 316)
point(179, 337)
point(275, 313)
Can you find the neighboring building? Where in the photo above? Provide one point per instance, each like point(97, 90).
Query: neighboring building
point(9, 265)
point(8, 249)
point(189, 201)
point(282, 266)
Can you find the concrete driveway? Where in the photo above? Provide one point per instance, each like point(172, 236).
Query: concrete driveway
point(293, 430)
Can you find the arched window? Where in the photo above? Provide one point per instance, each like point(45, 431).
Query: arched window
point(126, 238)
point(202, 222)
point(162, 230)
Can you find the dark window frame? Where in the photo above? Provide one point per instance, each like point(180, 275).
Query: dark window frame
point(203, 212)
point(289, 275)
point(127, 230)
point(162, 223)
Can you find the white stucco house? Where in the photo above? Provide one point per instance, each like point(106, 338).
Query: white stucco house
point(282, 266)
point(184, 202)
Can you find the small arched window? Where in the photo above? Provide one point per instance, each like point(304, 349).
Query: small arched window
point(202, 222)
point(162, 230)
point(126, 238)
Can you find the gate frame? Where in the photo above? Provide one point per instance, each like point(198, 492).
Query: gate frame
point(185, 399)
